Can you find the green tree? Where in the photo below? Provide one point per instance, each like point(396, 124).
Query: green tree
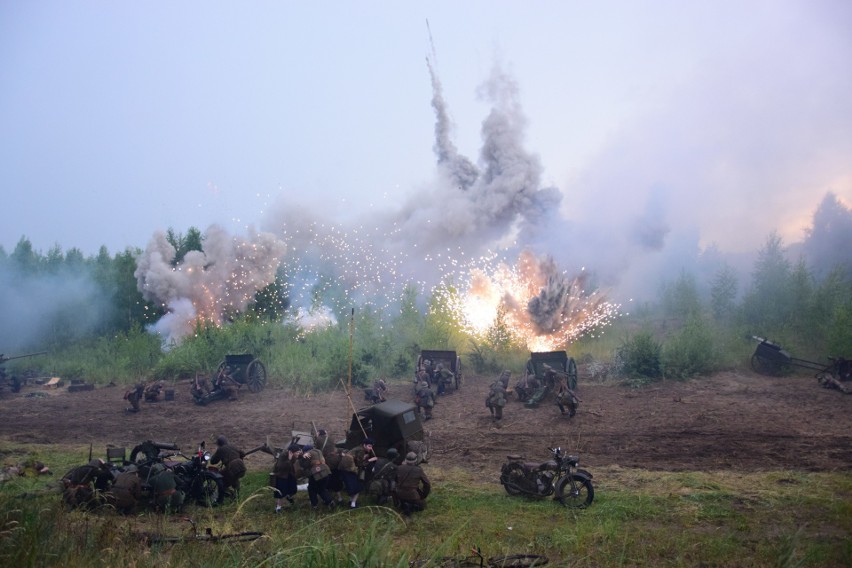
point(723, 294)
point(769, 302)
point(681, 300)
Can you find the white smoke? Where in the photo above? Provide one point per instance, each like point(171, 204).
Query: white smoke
point(210, 286)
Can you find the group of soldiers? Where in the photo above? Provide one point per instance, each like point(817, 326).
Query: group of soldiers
point(425, 377)
point(332, 472)
point(224, 381)
point(149, 392)
point(530, 386)
point(125, 488)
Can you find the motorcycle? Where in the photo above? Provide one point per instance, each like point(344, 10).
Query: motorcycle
point(197, 480)
point(559, 476)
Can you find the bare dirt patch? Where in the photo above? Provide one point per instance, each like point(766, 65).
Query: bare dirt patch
point(732, 420)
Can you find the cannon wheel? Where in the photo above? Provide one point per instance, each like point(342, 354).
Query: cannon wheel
point(256, 376)
point(571, 370)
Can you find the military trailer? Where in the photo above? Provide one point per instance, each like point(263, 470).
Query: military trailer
point(391, 424)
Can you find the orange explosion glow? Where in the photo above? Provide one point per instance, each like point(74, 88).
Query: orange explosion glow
point(541, 307)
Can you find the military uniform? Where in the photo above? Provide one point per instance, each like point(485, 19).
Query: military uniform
point(133, 396)
point(200, 387)
point(443, 377)
point(496, 399)
point(565, 397)
point(383, 481)
point(228, 384)
point(313, 465)
point(285, 476)
point(167, 497)
point(232, 462)
point(152, 391)
point(412, 486)
point(126, 491)
point(425, 400)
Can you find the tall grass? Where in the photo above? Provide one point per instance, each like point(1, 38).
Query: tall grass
point(639, 517)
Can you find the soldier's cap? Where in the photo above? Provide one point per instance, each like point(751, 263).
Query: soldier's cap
point(307, 448)
point(221, 441)
point(410, 457)
point(392, 452)
point(157, 468)
point(131, 469)
point(322, 432)
point(368, 442)
point(424, 384)
point(294, 448)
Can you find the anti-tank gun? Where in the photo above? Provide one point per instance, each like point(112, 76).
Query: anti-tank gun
point(13, 380)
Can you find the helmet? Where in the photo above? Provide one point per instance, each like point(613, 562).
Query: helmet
point(221, 441)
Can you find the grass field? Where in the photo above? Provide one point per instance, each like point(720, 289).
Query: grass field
point(638, 518)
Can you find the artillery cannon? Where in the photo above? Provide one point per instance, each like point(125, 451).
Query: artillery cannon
point(242, 369)
point(13, 380)
point(770, 359)
point(537, 382)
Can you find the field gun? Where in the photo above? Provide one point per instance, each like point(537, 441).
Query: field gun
point(13, 380)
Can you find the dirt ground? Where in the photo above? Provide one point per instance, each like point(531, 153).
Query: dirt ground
point(732, 420)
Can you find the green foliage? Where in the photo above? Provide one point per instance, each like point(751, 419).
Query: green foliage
point(691, 350)
point(681, 298)
point(723, 294)
point(640, 357)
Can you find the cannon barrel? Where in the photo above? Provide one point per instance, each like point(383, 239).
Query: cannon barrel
point(3, 358)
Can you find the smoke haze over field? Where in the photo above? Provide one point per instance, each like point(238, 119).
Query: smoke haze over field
point(626, 146)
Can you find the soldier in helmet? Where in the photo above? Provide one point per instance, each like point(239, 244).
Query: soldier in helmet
point(133, 396)
point(496, 399)
point(412, 486)
point(425, 400)
point(384, 476)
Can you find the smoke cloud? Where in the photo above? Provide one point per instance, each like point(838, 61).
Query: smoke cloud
point(206, 287)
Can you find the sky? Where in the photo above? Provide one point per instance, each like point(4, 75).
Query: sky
point(642, 126)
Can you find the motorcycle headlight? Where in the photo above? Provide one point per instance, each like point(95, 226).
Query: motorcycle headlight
point(207, 456)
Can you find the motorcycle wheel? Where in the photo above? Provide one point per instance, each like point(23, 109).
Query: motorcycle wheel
point(209, 490)
point(512, 477)
point(575, 492)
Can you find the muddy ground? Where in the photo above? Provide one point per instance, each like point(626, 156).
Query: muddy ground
point(732, 420)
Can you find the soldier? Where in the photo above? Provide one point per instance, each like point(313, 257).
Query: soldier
point(364, 458)
point(384, 476)
point(133, 396)
point(227, 383)
point(412, 486)
point(443, 377)
point(285, 475)
point(425, 400)
point(126, 490)
point(828, 381)
point(566, 397)
point(232, 462)
point(167, 497)
point(426, 366)
point(313, 465)
point(200, 387)
point(496, 399)
point(378, 393)
point(152, 391)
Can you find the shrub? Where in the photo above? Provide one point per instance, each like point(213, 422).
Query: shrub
point(640, 357)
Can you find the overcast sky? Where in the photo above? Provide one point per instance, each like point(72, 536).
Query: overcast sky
point(729, 119)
